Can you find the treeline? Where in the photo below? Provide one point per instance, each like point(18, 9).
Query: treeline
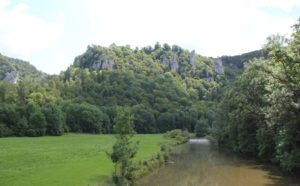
point(165, 86)
point(259, 113)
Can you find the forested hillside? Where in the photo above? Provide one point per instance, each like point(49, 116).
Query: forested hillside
point(13, 69)
point(259, 113)
point(235, 65)
point(166, 87)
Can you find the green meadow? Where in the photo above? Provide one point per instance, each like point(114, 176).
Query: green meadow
point(72, 159)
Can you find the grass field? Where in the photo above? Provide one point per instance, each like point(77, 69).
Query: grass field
point(72, 159)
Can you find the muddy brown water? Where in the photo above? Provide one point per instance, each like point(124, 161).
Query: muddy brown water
point(198, 163)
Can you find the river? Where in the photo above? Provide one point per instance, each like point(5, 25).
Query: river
point(198, 163)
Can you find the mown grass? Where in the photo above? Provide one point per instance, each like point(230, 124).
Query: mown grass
point(72, 159)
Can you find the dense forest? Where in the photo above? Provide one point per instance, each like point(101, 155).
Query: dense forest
point(259, 114)
point(249, 103)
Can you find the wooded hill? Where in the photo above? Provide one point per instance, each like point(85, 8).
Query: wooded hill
point(166, 87)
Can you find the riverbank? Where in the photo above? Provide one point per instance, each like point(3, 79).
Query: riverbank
point(200, 163)
point(155, 162)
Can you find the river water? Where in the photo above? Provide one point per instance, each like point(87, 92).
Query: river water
point(198, 163)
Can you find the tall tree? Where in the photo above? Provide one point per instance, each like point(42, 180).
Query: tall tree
point(124, 149)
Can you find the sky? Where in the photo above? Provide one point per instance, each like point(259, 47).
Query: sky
point(51, 33)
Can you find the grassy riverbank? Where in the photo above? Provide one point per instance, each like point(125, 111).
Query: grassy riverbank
point(72, 159)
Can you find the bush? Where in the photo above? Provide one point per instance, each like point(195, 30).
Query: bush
point(5, 131)
point(180, 136)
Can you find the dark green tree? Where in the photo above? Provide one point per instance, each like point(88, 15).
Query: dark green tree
point(37, 121)
point(54, 118)
point(202, 127)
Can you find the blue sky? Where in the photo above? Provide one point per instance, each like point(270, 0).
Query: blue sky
point(51, 33)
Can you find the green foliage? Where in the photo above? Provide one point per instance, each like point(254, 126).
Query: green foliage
point(5, 131)
point(259, 114)
point(144, 120)
point(165, 86)
point(235, 65)
point(37, 122)
point(124, 150)
point(83, 117)
point(241, 111)
point(180, 136)
point(202, 127)
point(54, 118)
point(25, 70)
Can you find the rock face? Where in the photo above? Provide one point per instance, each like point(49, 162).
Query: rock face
point(96, 59)
point(192, 58)
point(103, 64)
point(11, 77)
point(172, 63)
point(218, 64)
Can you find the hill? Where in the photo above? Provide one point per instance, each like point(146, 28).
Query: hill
point(166, 87)
point(13, 69)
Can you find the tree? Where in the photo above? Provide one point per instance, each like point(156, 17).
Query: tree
point(84, 117)
point(201, 128)
point(54, 118)
point(37, 123)
point(144, 120)
point(124, 149)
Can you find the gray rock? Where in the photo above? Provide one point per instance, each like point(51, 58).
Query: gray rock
point(172, 63)
point(11, 77)
point(192, 58)
point(218, 64)
point(108, 63)
point(97, 65)
point(166, 61)
point(103, 64)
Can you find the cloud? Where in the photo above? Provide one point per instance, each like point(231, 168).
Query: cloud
point(286, 5)
point(213, 28)
point(22, 34)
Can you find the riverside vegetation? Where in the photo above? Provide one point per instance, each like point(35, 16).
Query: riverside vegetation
point(248, 103)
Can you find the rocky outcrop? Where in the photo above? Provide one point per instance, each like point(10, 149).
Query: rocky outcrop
point(218, 65)
point(165, 60)
point(96, 58)
point(192, 58)
point(171, 62)
point(103, 64)
point(11, 77)
point(174, 63)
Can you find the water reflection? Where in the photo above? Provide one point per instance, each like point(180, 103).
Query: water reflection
point(198, 163)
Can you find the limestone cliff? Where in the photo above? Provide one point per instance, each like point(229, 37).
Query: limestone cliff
point(11, 77)
point(171, 62)
point(218, 65)
point(192, 58)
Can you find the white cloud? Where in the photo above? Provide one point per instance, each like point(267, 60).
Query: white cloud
point(4, 3)
point(213, 28)
point(285, 5)
point(22, 34)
